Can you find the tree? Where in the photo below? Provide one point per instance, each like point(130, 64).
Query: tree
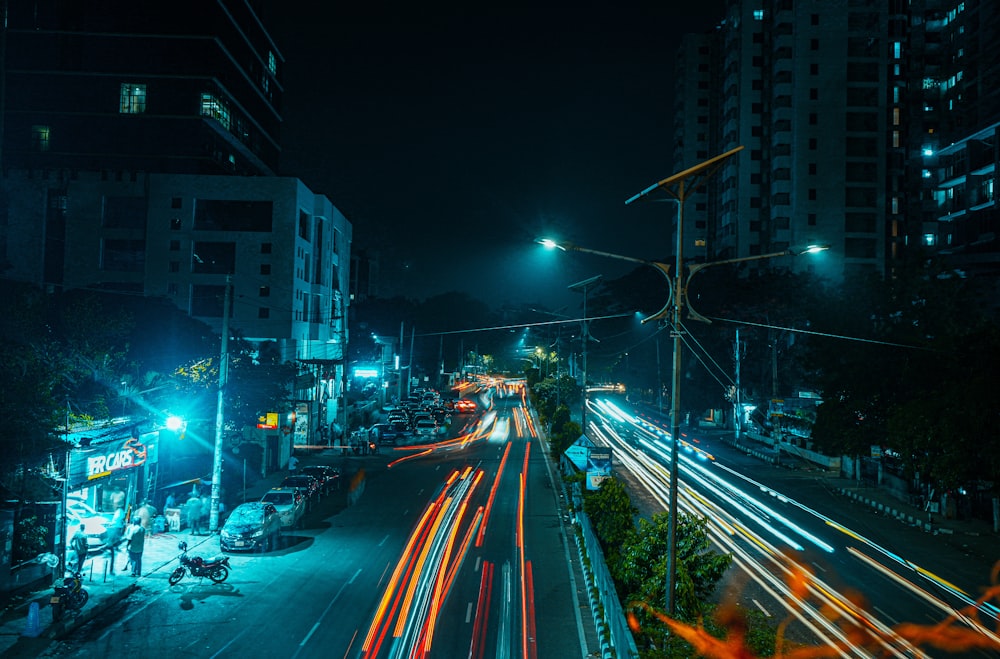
point(642, 570)
point(611, 515)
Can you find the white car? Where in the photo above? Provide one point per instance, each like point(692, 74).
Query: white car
point(290, 504)
point(426, 427)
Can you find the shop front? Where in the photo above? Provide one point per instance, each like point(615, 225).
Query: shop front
point(107, 477)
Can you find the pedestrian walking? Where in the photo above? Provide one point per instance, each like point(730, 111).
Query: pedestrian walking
point(113, 536)
point(293, 465)
point(135, 542)
point(78, 543)
point(193, 510)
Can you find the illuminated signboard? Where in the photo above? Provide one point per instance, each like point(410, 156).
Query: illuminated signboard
point(366, 372)
point(268, 422)
point(131, 454)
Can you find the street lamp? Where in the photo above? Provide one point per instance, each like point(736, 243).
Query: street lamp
point(678, 186)
point(584, 287)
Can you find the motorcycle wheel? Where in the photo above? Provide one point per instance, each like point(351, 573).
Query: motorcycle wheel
point(79, 599)
point(176, 576)
point(219, 574)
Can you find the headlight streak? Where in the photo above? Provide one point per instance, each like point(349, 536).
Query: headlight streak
point(641, 465)
point(928, 597)
point(414, 630)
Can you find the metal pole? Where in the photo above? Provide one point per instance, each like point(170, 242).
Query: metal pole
point(738, 412)
point(213, 515)
point(675, 406)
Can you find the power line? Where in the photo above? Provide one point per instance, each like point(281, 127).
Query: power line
point(505, 327)
point(825, 334)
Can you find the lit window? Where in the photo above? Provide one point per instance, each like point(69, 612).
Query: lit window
point(928, 151)
point(40, 138)
point(758, 14)
point(895, 139)
point(926, 173)
point(132, 99)
point(272, 63)
point(929, 239)
point(215, 108)
point(897, 49)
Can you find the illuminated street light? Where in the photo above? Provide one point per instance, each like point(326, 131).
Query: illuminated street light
point(678, 187)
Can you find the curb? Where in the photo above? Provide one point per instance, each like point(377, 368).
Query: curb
point(60, 629)
point(892, 512)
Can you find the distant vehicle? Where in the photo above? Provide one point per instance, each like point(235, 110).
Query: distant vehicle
point(289, 503)
point(251, 527)
point(465, 406)
point(328, 477)
point(426, 427)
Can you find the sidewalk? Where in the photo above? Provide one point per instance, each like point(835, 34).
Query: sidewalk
point(106, 584)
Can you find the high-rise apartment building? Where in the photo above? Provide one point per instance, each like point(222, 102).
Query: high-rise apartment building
point(190, 87)
point(868, 125)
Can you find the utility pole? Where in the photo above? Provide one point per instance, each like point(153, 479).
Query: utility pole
point(213, 515)
point(738, 410)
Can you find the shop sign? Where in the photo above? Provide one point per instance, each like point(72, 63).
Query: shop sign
point(131, 454)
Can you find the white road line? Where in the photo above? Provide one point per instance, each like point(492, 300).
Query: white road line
point(761, 607)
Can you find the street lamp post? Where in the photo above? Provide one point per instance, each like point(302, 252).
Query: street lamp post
point(585, 287)
point(679, 186)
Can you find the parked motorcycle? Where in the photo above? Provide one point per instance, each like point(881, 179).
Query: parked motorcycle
point(70, 596)
point(216, 569)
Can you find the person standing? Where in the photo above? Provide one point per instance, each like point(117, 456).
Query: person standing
point(193, 510)
point(78, 543)
point(293, 465)
point(135, 539)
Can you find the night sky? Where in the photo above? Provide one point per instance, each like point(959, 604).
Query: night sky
point(452, 136)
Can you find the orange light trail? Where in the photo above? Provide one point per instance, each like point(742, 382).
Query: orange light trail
point(419, 567)
point(391, 588)
point(479, 626)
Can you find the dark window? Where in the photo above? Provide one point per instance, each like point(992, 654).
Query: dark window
point(214, 258)
point(124, 212)
point(175, 245)
point(265, 291)
point(814, 69)
point(754, 202)
point(813, 118)
point(263, 312)
point(859, 248)
point(812, 143)
point(171, 289)
point(207, 301)
point(304, 232)
point(859, 222)
point(814, 19)
point(812, 194)
point(175, 224)
point(232, 215)
point(813, 94)
point(812, 168)
point(812, 219)
point(814, 44)
point(265, 248)
point(265, 268)
point(175, 266)
point(175, 202)
point(123, 255)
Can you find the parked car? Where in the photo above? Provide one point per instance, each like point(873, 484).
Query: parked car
point(95, 524)
point(252, 526)
point(308, 484)
point(328, 477)
point(290, 504)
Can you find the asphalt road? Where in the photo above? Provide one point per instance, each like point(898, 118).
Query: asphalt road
point(321, 593)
